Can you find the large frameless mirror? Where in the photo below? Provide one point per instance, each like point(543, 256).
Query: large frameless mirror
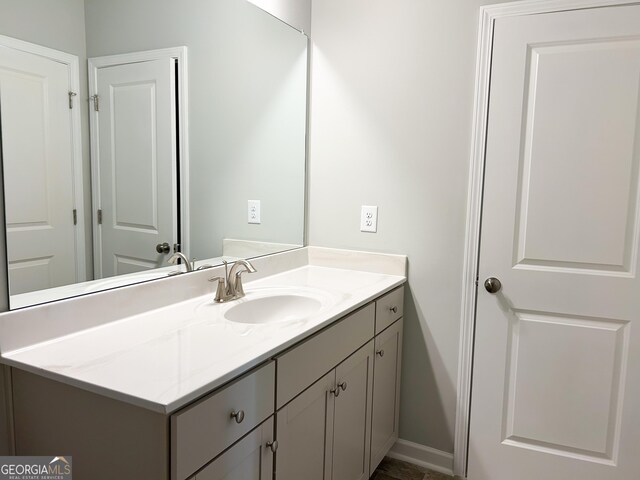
point(131, 130)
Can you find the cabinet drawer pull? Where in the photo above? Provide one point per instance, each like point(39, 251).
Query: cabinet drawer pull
point(273, 446)
point(238, 416)
point(380, 353)
point(342, 385)
point(393, 309)
point(335, 391)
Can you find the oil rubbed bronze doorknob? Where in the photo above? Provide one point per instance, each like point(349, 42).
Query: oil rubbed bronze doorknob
point(492, 285)
point(163, 248)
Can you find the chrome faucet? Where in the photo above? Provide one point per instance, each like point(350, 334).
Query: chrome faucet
point(230, 286)
point(180, 256)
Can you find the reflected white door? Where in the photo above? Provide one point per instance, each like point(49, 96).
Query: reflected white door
point(556, 380)
point(137, 165)
point(37, 157)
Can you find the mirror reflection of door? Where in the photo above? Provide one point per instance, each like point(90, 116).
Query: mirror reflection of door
point(135, 163)
point(36, 123)
point(245, 130)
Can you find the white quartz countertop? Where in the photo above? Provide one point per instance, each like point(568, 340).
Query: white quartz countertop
point(165, 358)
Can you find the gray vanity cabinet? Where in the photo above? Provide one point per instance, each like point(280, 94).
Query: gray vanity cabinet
point(321, 432)
point(249, 459)
point(334, 396)
point(352, 416)
point(203, 430)
point(386, 392)
point(305, 433)
point(340, 427)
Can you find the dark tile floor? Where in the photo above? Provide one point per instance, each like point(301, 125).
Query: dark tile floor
point(390, 469)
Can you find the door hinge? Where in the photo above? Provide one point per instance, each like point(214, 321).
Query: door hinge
point(96, 102)
point(75, 216)
point(477, 280)
point(71, 95)
point(100, 217)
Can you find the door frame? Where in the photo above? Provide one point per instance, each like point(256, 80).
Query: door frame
point(487, 18)
point(73, 67)
point(179, 54)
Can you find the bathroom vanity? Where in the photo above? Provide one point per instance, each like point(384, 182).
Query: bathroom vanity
point(299, 379)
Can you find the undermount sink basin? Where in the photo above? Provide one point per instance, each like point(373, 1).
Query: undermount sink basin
point(273, 309)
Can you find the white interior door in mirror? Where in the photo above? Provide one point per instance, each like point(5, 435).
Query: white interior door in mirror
point(556, 378)
point(37, 154)
point(136, 164)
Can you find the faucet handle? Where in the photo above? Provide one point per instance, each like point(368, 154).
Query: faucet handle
point(221, 290)
point(226, 269)
point(239, 291)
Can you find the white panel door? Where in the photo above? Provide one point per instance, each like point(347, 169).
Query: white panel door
point(137, 165)
point(37, 156)
point(556, 380)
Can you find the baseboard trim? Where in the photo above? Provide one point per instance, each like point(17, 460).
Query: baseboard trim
point(423, 456)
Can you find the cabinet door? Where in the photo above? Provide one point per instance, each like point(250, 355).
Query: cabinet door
point(386, 392)
point(203, 430)
point(352, 416)
point(249, 459)
point(305, 432)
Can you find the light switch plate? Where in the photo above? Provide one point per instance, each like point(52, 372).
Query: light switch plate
point(253, 212)
point(369, 219)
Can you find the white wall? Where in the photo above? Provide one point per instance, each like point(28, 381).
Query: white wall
point(392, 96)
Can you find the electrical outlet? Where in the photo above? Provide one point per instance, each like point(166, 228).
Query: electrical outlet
point(253, 211)
point(369, 219)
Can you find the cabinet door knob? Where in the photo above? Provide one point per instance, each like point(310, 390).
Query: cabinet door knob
point(380, 353)
point(393, 309)
point(273, 446)
point(238, 416)
point(335, 391)
point(342, 385)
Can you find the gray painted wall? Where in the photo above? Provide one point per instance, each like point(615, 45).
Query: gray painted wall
point(296, 13)
point(247, 87)
point(58, 24)
point(391, 111)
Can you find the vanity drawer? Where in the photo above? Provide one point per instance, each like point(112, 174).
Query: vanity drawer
point(389, 308)
point(304, 364)
point(205, 429)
